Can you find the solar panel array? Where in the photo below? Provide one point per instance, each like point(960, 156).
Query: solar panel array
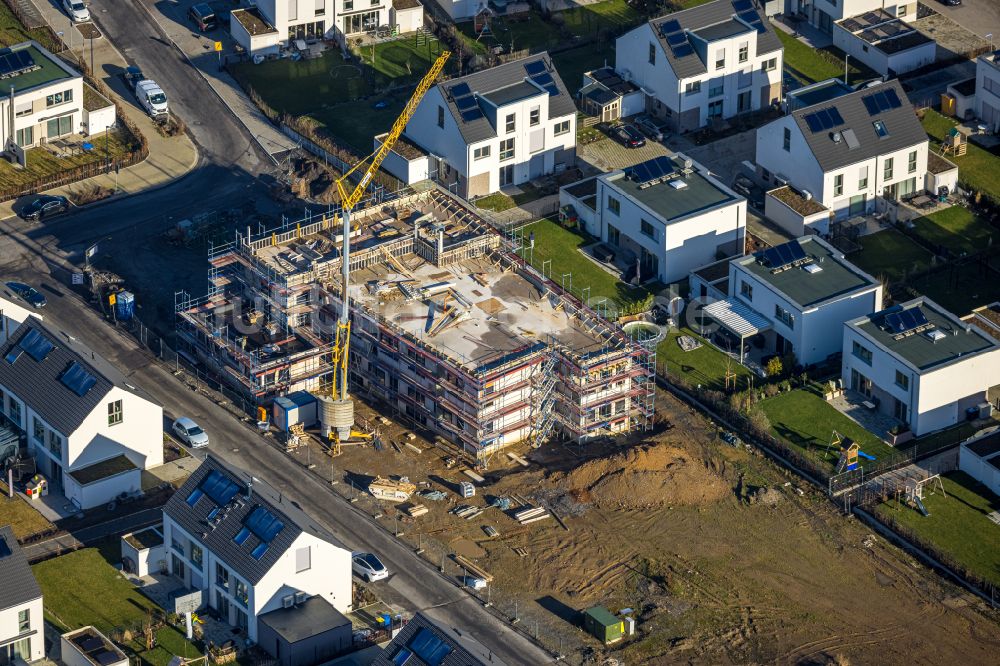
point(676, 38)
point(751, 18)
point(906, 321)
point(466, 102)
point(537, 73)
point(37, 345)
point(742, 5)
point(824, 119)
point(651, 170)
point(77, 379)
point(783, 256)
point(13, 63)
point(881, 101)
point(219, 487)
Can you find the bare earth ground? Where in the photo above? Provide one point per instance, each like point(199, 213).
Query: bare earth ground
point(722, 561)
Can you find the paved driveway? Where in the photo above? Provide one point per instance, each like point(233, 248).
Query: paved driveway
point(980, 16)
point(608, 155)
point(724, 157)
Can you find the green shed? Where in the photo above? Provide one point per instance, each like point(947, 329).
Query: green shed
point(599, 622)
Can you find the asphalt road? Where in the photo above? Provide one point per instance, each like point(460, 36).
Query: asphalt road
point(980, 16)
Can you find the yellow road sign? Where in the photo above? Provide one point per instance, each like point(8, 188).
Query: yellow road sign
point(218, 46)
point(111, 299)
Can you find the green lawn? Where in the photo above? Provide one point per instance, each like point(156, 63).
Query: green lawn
point(573, 63)
point(403, 59)
point(957, 524)
point(43, 164)
point(805, 421)
point(809, 65)
point(533, 33)
point(304, 86)
point(23, 518)
point(560, 245)
point(960, 289)
point(354, 124)
point(497, 202)
point(13, 32)
point(588, 20)
point(978, 168)
point(957, 229)
point(891, 254)
point(705, 366)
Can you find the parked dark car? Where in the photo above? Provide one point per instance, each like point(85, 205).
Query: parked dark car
point(28, 294)
point(203, 16)
point(628, 136)
point(951, 3)
point(132, 76)
point(44, 206)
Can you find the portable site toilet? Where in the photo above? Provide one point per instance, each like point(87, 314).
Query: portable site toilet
point(604, 626)
point(298, 407)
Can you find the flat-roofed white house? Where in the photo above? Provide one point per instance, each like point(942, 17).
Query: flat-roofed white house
point(666, 215)
point(714, 61)
point(249, 549)
point(270, 24)
point(987, 99)
point(979, 457)
point(848, 152)
point(492, 129)
point(888, 45)
point(91, 431)
point(920, 364)
point(22, 630)
point(797, 296)
point(823, 14)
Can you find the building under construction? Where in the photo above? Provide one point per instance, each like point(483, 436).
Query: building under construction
point(449, 326)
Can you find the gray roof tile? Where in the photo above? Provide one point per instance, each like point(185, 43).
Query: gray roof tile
point(19, 584)
point(719, 13)
point(902, 124)
point(194, 520)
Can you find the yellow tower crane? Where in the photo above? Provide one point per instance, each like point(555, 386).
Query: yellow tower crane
point(340, 405)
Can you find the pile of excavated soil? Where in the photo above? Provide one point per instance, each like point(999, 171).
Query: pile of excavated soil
point(648, 476)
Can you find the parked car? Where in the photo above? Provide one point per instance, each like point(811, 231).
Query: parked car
point(77, 11)
point(44, 206)
point(203, 16)
point(28, 294)
point(190, 433)
point(648, 127)
point(369, 567)
point(133, 75)
point(152, 98)
point(628, 136)
point(951, 3)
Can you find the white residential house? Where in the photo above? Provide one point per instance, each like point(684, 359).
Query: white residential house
point(91, 431)
point(12, 315)
point(22, 632)
point(978, 457)
point(298, 19)
point(987, 100)
point(406, 15)
point(356, 17)
point(920, 364)
point(848, 152)
point(491, 129)
point(47, 97)
point(667, 216)
point(887, 44)
point(249, 549)
point(823, 14)
point(797, 296)
point(714, 61)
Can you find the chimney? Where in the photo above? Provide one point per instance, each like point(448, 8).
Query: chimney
point(250, 488)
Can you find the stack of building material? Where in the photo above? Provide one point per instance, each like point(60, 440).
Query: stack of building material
point(393, 491)
point(532, 515)
point(467, 511)
point(433, 495)
point(415, 510)
point(474, 569)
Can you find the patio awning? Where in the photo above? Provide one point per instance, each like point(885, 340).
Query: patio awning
point(737, 317)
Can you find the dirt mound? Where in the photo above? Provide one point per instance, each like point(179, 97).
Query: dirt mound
point(648, 476)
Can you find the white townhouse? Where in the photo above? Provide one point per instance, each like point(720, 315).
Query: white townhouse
point(920, 364)
point(668, 215)
point(987, 100)
point(91, 431)
point(849, 151)
point(498, 127)
point(249, 549)
point(977, 457)
point(798, 296)
point(22, 631)
point(823, 14)
point(713, 61)
point(47, 95)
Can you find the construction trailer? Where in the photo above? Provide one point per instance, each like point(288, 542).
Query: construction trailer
point(602, 625)
point(449, 327)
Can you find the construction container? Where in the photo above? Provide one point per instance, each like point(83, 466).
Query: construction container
point(605, 627)
point(124, 305)
point(294, 408)
point(466, 489)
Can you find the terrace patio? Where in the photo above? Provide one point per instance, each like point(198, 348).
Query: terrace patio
point(864, 411)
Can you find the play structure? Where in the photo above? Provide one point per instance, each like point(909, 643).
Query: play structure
point(849, 452)
point(955, 143)
point(915, 491)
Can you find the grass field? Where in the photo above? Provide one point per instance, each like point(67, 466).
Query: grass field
point(805, 420)
point(403, 59)
point(809, 65)
point(957, 524)
point(957, 229)
point(13, 32)
point(560, 245)
point(573, 63)
point(497, 202)
point(978, 168)
point(43, 164)
point(24, 519)
point(891, 254)
point(705, 366)
point(960, 289)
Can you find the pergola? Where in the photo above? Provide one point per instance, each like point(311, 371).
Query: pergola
point(738, 318)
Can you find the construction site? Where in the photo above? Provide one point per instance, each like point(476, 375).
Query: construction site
point(449, 327)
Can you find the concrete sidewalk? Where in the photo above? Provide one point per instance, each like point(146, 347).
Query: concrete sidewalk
point(169, 157)
point(199, 49)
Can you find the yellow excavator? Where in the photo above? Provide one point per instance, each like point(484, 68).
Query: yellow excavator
point(342, 408)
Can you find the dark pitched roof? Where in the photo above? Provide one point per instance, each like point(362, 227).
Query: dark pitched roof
point(38, 383)
point(19, 584)
point(314, 617)
point(903, 126)
point(495, 79)
point(702, 19)
point(195, 520)
point(465, 650)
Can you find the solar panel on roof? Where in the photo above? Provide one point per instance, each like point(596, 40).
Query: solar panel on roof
point(682, 51)
point(77, 379)
point(4, 548)
point(742, 5)
point(536, 67)
point(812, 120)
point(219, 488)
point(670, 27)
point(264, 524)
point(460, 90)
point(543, 79)
point(835, 116)
point(892, 99)
point(16, 62)
point(677, 39)
point(195, 495)
point(871, 105)
point(465, 103)
point(106, 658)
point(472, 114)
point(552, 89)
point(780, 256)
point(259, 551)
point(37, 345)
point(88, 643)
point(749, 15)
point(14, 354)
point(241, 536)
point(431, 649)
